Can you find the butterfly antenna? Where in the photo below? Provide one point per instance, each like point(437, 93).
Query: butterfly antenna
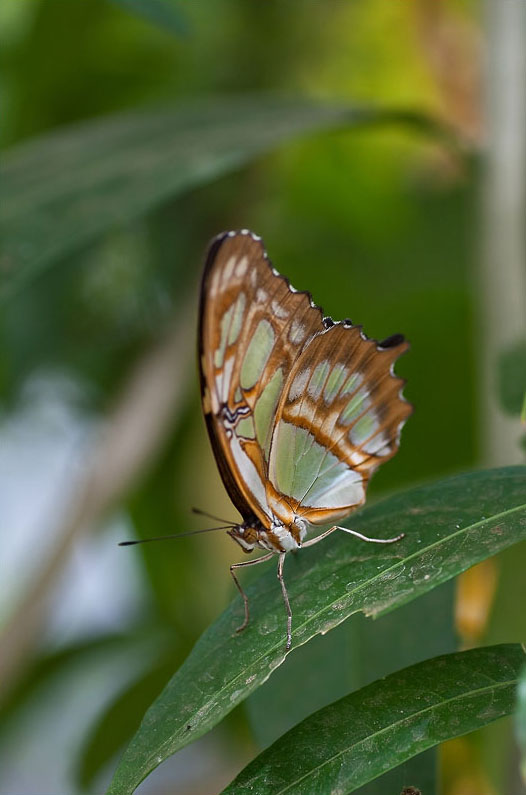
point(199, 512)
point(175, 535)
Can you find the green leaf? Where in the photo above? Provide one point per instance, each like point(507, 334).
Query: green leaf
point(377, 728)
point(162, 13)
point(520, 721)
point(351, 656)
point(64, 190)
point(450, 525)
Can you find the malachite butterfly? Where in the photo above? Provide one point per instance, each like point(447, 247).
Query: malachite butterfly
point(300, 410)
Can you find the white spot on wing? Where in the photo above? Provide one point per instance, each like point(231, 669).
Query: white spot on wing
point(356, 458)
point(214, 402)
point(279, 311)
point(241, 267)
point(378, 445)
point(226, 377)
point(298, 385)
point(305, 410)
point(229, 269)
point(297, 332)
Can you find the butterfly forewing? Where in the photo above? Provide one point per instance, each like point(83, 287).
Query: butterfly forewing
point(338, 419)
point(253, 326)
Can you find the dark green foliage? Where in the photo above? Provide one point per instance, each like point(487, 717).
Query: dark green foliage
point(450, 526)
point(160, 12)
point(387, 722)
point(512, 378)
point(68, 189)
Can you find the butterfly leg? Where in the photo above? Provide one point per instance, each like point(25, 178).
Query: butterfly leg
point(353, 533)
point(240, 589)
point(281, 562)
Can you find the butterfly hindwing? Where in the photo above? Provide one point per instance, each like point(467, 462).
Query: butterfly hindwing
point(339, 418)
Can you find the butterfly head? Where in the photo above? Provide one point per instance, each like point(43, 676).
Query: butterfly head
point(247, 535)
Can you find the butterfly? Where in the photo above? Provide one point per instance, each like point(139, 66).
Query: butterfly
point(300, 410)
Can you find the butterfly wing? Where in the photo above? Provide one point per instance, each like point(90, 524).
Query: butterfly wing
point(339, 417)
point(252, 328)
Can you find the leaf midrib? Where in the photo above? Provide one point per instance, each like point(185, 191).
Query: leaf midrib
point(274, 648)
point(455, 699)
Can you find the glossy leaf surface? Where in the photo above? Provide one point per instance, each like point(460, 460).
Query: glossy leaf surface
point(450, 525)
point(378, 727)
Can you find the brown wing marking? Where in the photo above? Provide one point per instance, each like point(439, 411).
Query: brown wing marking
point(242, 299)
point(350, 402)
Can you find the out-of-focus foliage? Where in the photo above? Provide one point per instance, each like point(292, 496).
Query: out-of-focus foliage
point(162, 13)
point(66, 190)
point(512, 377)
point(379, 223)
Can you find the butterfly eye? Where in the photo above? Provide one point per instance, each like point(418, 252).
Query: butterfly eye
point(250, 534)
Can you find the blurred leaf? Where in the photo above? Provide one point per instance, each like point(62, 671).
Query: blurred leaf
point(376, 728)
point(512, 377)
point(450, 525)
point(119, 721)
point(53, 664)
point(64, 190)
point(520, 721)
point(160, 12)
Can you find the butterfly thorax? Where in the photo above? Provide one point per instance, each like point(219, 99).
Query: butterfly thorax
point(277, 537)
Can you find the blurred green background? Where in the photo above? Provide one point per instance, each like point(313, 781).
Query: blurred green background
point(101, 434)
